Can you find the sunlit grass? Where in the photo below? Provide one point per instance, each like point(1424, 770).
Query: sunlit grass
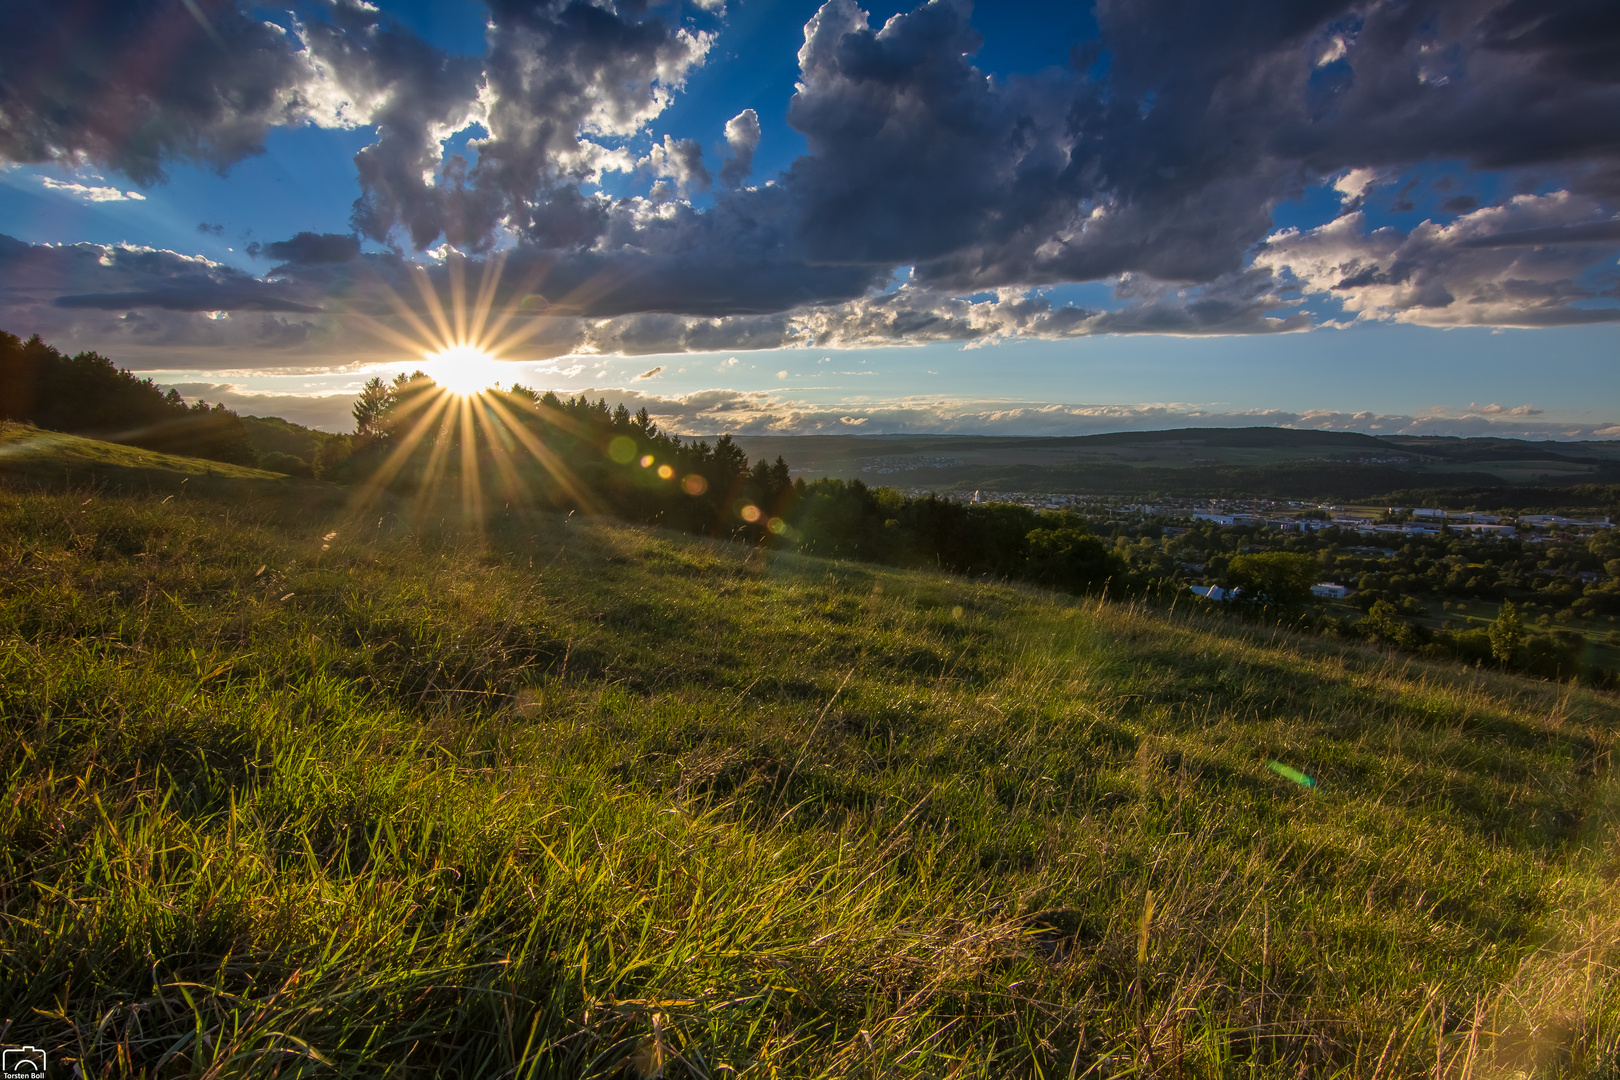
point(581, 797)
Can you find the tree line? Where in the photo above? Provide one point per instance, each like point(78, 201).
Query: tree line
point(87, 394)
point(576, 454)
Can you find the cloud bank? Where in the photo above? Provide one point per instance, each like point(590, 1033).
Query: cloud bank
point(710, 413)
point(934, 203)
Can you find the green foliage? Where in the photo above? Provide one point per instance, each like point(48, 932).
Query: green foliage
point(1276, 577)
point(318, 794)
point(1507, 634)
point(1070, 559)
point(1383, 622)
point(88, 394)
point(374, 400)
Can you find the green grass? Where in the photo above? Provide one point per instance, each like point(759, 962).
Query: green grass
point(33, 454)
point(297, 792)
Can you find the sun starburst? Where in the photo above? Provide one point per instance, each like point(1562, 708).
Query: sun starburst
point(464, 370)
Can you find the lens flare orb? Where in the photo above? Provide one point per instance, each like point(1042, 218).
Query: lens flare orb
point(464, 370)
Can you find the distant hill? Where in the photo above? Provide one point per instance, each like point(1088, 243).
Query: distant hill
point(1192, 462)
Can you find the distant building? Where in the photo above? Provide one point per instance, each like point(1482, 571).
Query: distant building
point(1330, 591)
point(1208, 592)
point(1219, 519)
point(1546, 521)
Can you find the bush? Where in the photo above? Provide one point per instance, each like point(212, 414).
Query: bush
point(292, 465)
point(1274, 577)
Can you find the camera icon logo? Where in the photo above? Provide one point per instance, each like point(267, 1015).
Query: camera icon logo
point(22, 1063)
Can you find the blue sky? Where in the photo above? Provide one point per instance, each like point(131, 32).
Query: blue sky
point(1026, 218)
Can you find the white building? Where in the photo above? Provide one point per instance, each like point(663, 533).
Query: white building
point(1208, 592)
point(1330, 591)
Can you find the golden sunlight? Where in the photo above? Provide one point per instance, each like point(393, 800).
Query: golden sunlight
point(464, 369)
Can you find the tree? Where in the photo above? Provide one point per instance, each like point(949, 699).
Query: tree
point(1384, 623)
point(1276, 577)
point(1507, 633)
point(370, 406)
point(1071, 559)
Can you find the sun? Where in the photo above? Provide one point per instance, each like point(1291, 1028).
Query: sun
point(464, 369)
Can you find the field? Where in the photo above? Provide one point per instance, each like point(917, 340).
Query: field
point(300, 790)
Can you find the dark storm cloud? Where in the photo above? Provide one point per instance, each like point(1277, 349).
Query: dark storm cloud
point(190, 295)
point(310, 248)
point(121, 278)
point(135, 84)
point(1595, 232)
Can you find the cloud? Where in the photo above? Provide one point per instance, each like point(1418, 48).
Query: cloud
point(650, 373)
point(1477, 271)
point(129, 300)
point(556, 77)
point(742, 139)
point(210, 230)
point(1157, 171)
point(714, 412)
point(91, 194)
point(1476, 409)
point(416, 95)
point(679, 160)
point(97, 83)
point(310, 248)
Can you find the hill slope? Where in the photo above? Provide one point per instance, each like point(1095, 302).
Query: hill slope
point(31, 453)
point(580, 799)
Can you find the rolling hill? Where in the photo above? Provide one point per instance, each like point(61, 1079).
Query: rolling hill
point(303, 791)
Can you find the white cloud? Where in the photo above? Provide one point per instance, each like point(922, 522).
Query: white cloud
point(91, 194)
point(1354, 185)
point(1523, 264)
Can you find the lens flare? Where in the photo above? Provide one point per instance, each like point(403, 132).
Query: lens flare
point(464, 369)
point(1290, 773)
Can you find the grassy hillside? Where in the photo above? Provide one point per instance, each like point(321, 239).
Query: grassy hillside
point(29, 453)
point(296, 791)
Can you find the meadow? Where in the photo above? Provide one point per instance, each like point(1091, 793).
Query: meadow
point(296, 789)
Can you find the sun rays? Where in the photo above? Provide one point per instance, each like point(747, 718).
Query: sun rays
point(464, 370)
point(461, 426)
point(463, 415)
